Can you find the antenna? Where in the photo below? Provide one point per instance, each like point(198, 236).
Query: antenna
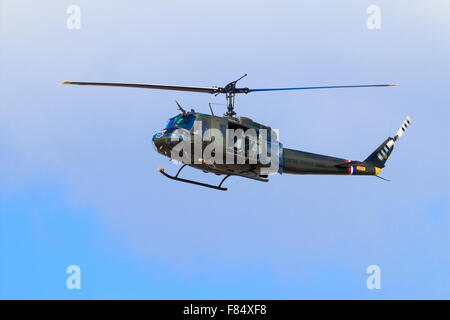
point(210, 108)
point(180, 108)
point(383, 178)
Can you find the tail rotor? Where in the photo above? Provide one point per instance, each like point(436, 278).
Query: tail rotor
point(402, 128)
point(379, 157)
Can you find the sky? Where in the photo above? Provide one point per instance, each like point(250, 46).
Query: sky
point(78, 175)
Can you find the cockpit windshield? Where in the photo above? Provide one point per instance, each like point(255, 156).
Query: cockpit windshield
point(183, 121)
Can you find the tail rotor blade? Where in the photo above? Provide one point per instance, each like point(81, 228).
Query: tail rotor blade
point(402, 129)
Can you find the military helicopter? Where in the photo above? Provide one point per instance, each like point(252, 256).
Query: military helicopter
point(184, 128)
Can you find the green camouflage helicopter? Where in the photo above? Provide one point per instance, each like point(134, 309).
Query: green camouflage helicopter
point(239, 146)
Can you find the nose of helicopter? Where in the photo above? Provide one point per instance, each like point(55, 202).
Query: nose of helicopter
point(164, 141)
point(159, 142)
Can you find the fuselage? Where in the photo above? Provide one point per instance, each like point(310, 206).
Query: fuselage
point(198, 131)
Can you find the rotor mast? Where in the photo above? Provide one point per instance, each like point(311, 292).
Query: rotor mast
point(230, 91)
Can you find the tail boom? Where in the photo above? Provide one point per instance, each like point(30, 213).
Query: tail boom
point(300, 162)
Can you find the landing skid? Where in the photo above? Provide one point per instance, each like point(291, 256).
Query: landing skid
point(218, 187)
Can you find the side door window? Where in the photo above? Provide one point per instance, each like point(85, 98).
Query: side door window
point(205, 127)
point(223, 130)
point(269, 143)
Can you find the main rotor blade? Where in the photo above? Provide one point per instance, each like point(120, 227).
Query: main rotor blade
point(145, 86)
point(326, 87)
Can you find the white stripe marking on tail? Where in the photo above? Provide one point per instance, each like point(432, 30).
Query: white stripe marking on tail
point(390, 143)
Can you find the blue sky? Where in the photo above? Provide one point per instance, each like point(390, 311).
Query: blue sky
point(78, 179)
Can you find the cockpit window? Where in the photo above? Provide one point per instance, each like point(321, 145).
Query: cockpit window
point(170, 123)
point(185, 122)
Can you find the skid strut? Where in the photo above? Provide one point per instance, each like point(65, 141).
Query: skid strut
point(219, 187)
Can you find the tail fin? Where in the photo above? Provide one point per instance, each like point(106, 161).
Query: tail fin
point(379, 157)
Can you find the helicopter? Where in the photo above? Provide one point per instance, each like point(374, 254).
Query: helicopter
point(231, 145)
